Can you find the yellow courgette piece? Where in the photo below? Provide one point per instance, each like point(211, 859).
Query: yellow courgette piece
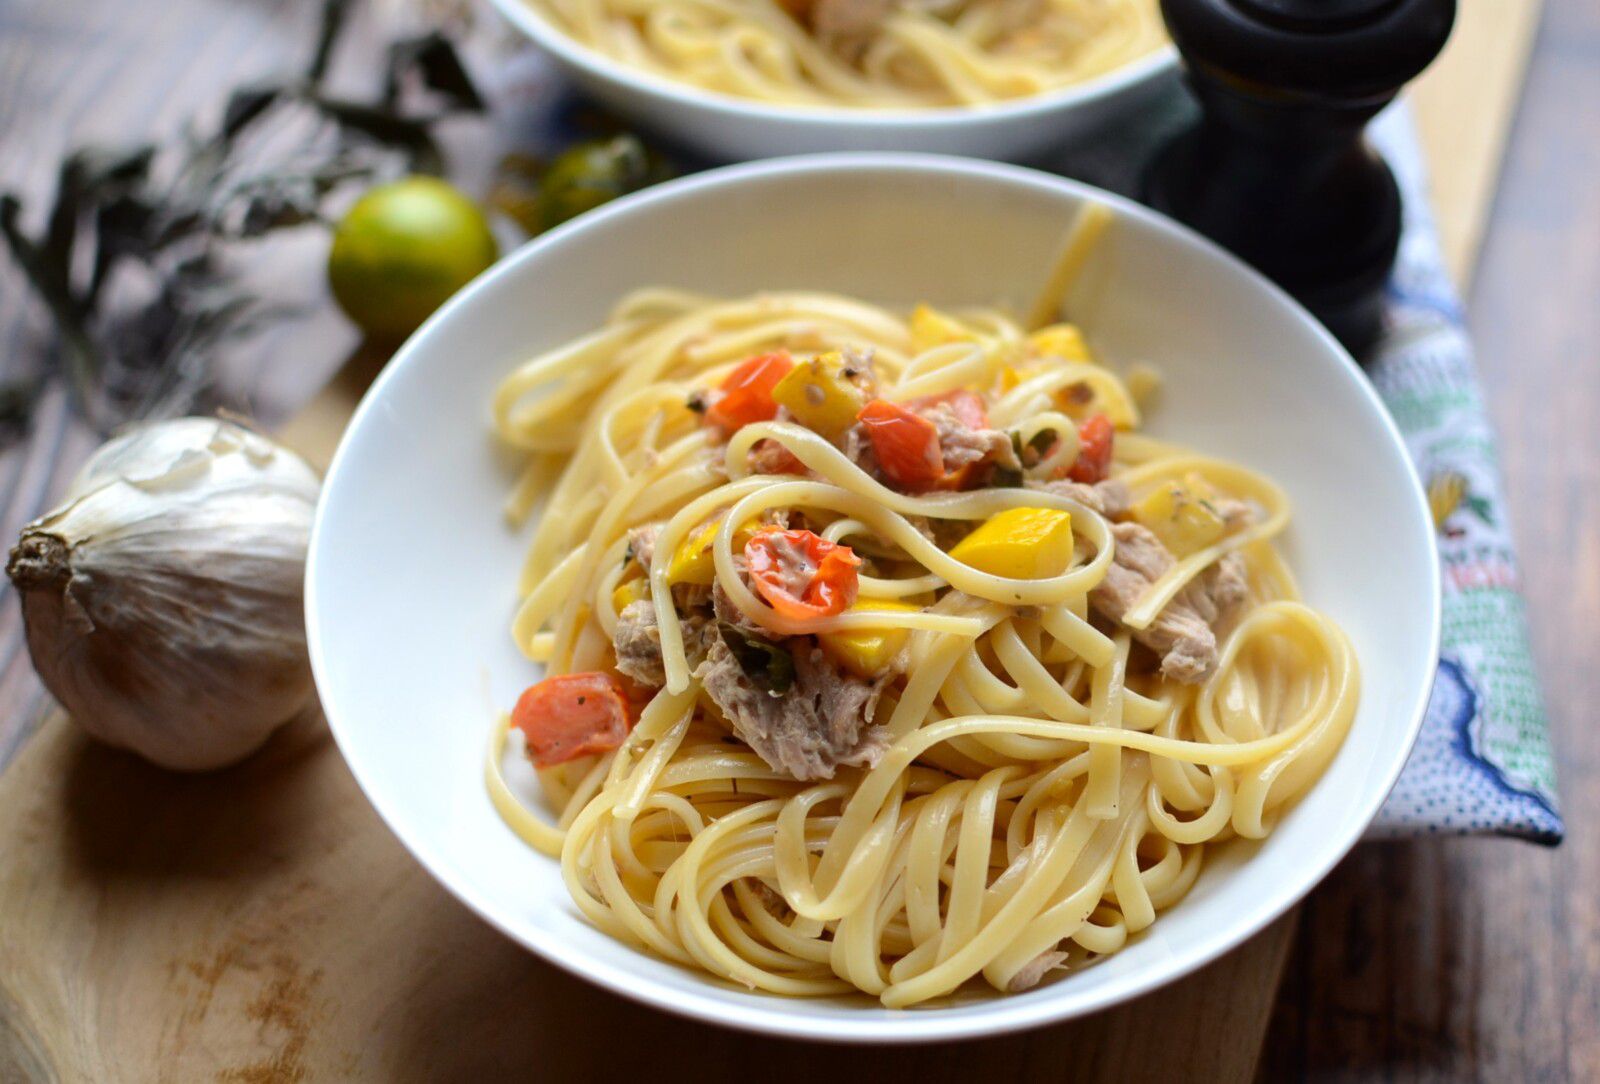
point(1060, 341)
point(1019, 544)
point(1181, 515)
point(1087, 398)
point(630, 592)
point(931, 328)
point(692, 561)
point(820, 396)
point(868, 652)
point(1012, 375)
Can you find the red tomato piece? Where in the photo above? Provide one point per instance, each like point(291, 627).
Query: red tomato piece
point(802, 574)
point(967, 405)
point(1094, 451)
point(747, 392)
point(570, 716)
point(905, 444)
point(971, 411)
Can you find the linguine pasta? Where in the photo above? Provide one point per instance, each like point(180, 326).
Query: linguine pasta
point(1037, 785)
point(882, 54)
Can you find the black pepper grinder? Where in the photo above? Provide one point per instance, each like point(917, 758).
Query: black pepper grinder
point(1277, 168)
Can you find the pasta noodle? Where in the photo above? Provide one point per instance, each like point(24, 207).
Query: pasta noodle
point(1040, 788)
point(866, 53)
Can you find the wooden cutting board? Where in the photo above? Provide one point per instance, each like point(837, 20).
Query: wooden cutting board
point(261, 924)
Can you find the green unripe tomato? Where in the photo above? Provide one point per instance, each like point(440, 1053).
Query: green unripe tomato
point(590, 174)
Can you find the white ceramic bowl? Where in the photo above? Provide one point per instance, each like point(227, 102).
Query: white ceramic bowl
point(412, 571)
point(734, 129)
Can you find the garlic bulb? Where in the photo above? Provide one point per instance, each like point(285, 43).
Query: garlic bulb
point(163, 598)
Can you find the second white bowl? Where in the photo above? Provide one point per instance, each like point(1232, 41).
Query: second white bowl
point(732, 129)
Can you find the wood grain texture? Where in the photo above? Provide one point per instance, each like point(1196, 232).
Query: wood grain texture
point(261, 924)
point(1479, 959)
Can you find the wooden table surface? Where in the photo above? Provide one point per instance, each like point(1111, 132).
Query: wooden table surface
point(1468, 959)
point(1438, 960)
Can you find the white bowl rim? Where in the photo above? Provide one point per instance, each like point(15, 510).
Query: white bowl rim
point(1002, 1015)
point(554, 40)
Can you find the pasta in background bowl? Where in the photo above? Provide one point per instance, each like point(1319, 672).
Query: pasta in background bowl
point(739, 79)
point(411, 582)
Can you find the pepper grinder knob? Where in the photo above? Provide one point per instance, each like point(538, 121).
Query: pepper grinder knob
point(1277, 168)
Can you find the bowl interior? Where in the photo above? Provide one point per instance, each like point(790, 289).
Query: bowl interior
point(410, 587)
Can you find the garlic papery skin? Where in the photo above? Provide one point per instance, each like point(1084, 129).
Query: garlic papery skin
point(163, 599)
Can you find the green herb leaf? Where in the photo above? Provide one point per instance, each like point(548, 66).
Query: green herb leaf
point(1028, 455)
point(16, 406)
point(161, 216)
point(385, 127)
point(768, 665)
point(245, 105)
point(334, 13)
point(435, 62)
point(1005, 478)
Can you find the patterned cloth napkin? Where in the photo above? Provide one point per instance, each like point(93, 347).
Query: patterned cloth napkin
point(1483, 762)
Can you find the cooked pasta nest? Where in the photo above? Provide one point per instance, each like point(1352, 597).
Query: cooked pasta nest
point(1038, 786)
point(883, 54)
